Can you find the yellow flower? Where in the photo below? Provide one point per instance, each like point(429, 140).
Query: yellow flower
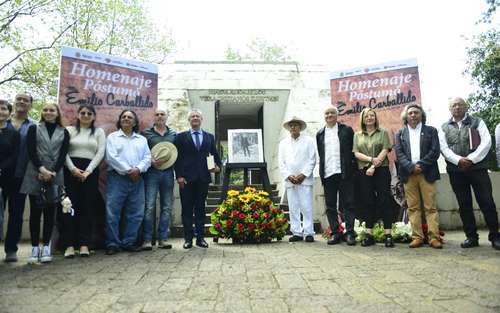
point(257, 198)
point(250, 190)
point(233, 193)
point(244, 198)
point(263, 193)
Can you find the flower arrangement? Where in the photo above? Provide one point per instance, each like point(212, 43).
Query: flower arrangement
point(249, 216)
point(401, 232)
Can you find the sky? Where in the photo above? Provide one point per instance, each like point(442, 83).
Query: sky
point(338, 34)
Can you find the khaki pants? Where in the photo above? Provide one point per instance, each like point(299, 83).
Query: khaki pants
point(416, 190)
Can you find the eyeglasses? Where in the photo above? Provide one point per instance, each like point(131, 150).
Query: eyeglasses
point(127, 117)
point(83, 113)
point(159, 114)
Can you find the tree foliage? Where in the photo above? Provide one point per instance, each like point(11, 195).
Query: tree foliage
point(483, 67)
point(260, 50)
point(33, 32)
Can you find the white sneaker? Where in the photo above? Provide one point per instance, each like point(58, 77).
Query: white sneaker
point(46, 255)
point(69, 253)
point(147, 245)
point(35, 255)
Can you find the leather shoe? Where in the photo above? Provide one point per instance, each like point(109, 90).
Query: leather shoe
point(334, 240)
point(389, 241)
point(350, 240)
point(201, 243)
point(132, 248)
point(469, 243)
point(295, 238)
point(368, 241)
point(416, 243)
point(496, 243)
point(309, 238)
point(187, 245)
point(112, 250)
point(436, 244)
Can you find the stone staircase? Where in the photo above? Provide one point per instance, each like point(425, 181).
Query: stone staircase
point(213, 201)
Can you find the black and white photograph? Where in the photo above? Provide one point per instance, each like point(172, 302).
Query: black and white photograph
point(245, 146)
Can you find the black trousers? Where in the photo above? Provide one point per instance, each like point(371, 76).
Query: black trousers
point(36, 211)
point(193, 197)
point(16, 209)
point(375, 196)
point(77, 230)
point(479, 180)
point(345, 188)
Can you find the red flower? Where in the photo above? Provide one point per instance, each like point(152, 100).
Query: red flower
point(261, 226)
point(278, 221)
point(224, 212)
point(240, 227)
point(225, 202)
point(235, 202)
point(257, 238)
point(251, 226)
point(270, 225)
point(252, 206)
point(285, 220)
point(266, 215)
point(255, 215)
point(242, 216)
point(259, 204)
point(218, 226)
point(235, 213)
point(229, 222)
point(274, 210)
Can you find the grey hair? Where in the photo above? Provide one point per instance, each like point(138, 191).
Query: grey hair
point(328, 107)
point(404, 114)
point(195, 111)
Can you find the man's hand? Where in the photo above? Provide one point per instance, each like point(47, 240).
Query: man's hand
point(300, 178)
point(77, 173)
point(216, 169)
point(134, 174)
point(292, 179)
point(182, 182)
point(370, 171)
point(418, 169)
point(464, 164)
point(157, 163)
point(85, 174)
point(376, 162)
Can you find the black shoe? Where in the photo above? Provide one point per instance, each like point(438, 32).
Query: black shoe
point(350, 239)
point(368, 241)
point(469, 243)
point(201, 243)
point(133, 248)
point(334, 240)
point(496, 243)
point(388, 241)
point(295, 238)
point(112, 250)
point(309, 238)
point(187, 244)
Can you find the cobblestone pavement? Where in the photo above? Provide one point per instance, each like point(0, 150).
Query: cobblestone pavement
point(276, 277)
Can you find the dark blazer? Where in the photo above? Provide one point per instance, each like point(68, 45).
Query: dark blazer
point(429, 153)
point(347, 160)
point(191, 163)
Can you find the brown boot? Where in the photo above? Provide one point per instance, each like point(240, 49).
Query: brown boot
point(436, 244)
point(416, 243)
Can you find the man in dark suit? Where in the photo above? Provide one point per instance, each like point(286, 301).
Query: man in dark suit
point(336, 170)
point(193, 176)
point(417, 150)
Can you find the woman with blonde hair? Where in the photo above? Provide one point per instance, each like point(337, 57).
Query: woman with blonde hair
point(371, 146)
point(47, 145)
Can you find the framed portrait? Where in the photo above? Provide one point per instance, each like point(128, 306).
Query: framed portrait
point(245, 146)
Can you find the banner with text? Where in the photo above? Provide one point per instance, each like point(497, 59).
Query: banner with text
point(109, 83)
point(386, 88)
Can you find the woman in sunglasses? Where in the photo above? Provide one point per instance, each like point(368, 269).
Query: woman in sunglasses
point(86, 150)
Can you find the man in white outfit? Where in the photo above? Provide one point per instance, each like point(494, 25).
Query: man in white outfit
point(297, 158)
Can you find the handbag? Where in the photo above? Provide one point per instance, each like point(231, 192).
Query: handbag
point(51, 194)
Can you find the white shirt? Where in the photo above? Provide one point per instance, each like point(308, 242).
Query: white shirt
point(415, 142)
point(477, 156)
point(86, 146)
point(124, 153)
point(497, 140)
point(332, 151)
point(297, 156)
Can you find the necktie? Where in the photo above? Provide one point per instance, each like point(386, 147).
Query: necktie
point(197, 140)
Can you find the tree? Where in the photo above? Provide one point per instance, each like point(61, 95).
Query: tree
point(261, 50)
point(483, 67)
point(117, 27)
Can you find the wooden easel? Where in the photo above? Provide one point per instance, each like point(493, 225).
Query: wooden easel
point(245, 166)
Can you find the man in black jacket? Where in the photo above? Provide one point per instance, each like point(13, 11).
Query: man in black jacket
point(417, 150)
point(336, 169)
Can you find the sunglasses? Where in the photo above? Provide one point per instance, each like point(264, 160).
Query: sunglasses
point(82, 113)
point(159, 114)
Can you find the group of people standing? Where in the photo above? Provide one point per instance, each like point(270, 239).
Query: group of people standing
point(357, 165)
point(46, 160)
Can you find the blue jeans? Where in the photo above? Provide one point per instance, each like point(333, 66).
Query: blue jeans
point(123, 193)
point(163, 182)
